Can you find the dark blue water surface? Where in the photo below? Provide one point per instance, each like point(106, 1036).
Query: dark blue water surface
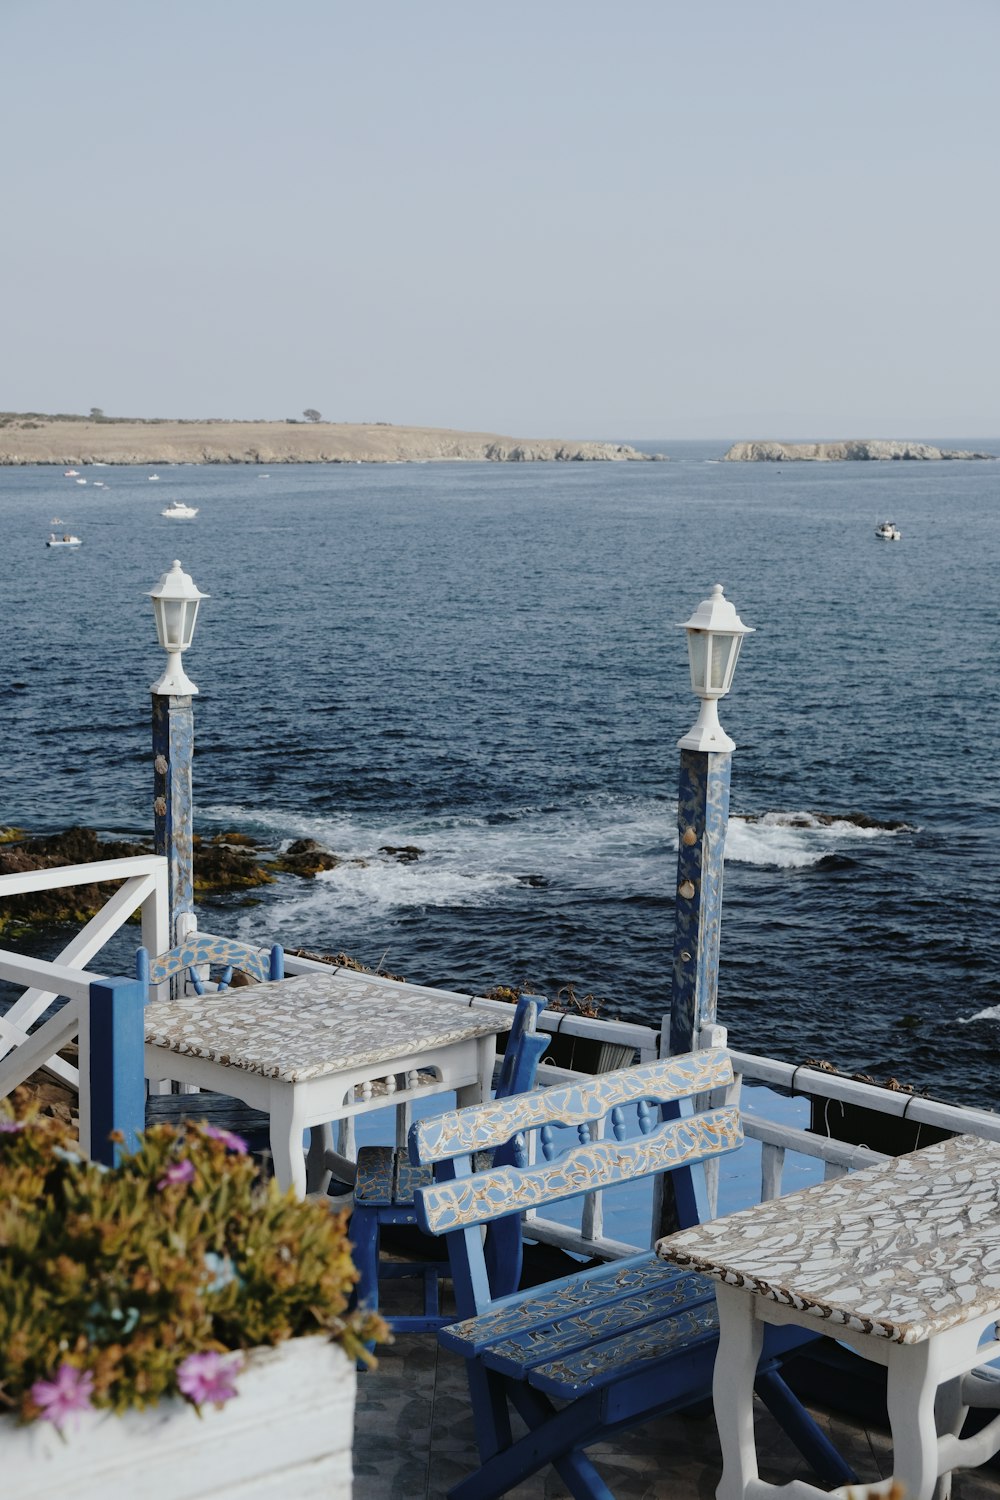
point(482, 660)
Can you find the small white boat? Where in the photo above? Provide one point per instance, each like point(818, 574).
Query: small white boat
point(66, 540)
point(178, 511)
point(152, 476)
point(81, 481)
point(888, 531)
point(58, 521)
point(70, 473)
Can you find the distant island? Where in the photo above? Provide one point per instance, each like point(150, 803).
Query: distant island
point(35, 438)
point(862, 449)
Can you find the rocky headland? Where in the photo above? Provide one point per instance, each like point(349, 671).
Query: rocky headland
point(31, 438)
point(877, 449)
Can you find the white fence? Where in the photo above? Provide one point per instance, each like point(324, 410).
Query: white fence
point(26, 1046)
point(143, 888)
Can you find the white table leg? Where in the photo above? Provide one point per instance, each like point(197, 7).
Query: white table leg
point(481, 1091)
point(287, 1127)
point(911, 1391)
point(740, 1339)
point(950, 1412)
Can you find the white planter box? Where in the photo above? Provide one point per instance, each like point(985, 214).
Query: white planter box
point(287, 1434)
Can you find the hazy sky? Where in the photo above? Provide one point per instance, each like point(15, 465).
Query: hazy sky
point(541, 217)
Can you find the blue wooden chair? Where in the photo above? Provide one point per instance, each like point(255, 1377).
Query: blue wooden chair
point(221, 957)
point(224, 955)
point(387, 1181)
point(594, 1353)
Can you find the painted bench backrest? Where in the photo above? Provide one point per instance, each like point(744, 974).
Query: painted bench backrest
point(587, 1162)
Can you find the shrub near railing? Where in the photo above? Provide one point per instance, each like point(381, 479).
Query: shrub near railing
point(121, 1286)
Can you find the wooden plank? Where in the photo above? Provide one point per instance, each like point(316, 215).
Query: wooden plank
point(603, 1320)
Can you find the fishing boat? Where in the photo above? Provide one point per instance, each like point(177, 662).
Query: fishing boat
point(178, 511)
point(66, 540)
point(888, 531)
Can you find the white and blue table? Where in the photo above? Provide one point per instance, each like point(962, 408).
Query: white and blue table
point(322, 1047)
point(901, 1262)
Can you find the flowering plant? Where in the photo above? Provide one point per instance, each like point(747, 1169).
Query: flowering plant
point(119, 1286)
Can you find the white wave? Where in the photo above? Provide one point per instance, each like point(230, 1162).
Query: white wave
point(601, 842)
point(794, 840)
point(991, 1013)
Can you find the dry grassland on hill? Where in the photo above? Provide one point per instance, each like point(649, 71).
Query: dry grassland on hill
point(40, 441)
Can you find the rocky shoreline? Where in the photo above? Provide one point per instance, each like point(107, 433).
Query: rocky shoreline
point(855, 449)
point(226, 862)
point(34, 439)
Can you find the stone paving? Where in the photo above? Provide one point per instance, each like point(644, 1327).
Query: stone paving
point(414, 1440)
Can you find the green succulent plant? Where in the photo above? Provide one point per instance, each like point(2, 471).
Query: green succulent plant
point(119, 1286)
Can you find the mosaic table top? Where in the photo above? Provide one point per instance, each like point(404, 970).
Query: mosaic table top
point(315, 1024)
point(900, 1251)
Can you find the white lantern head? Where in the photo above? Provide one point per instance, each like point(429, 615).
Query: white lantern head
point(715, 634)
point(175, 605)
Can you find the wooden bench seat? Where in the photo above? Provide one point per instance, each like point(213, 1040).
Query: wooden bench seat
point(592, 1328)
point(586, 1356)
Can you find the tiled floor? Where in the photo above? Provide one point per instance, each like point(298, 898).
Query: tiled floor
point(414, 1439)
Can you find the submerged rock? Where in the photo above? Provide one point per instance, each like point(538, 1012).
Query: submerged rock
point(220, 865)
point(305, 857)
point(406, 854)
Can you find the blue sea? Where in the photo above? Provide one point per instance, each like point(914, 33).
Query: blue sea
point(483, 661)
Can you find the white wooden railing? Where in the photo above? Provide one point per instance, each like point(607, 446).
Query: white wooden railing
point(25, 1046)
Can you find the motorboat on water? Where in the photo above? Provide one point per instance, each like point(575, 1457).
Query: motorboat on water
point(66, 540)
point(178, 511)
point(152, 476)
point(888, 531)
point(70, 473)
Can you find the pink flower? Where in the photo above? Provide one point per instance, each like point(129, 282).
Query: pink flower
point(11, 1127)
point(68, 1394)
point(209, 1377)
point(178, 1172)
point(229, 1138)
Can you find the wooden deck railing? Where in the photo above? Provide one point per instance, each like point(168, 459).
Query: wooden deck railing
point(25, 1046)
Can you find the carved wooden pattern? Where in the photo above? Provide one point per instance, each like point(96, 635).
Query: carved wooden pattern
point(461, 1131)
point(476, 1200)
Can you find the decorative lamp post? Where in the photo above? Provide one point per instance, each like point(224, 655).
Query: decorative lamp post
point(175, 604)
point(715, 633)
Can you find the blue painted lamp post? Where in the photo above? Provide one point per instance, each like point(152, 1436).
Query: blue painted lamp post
point(715, 633)
point(175, 604)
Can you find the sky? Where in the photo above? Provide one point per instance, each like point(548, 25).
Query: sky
point(637, 218)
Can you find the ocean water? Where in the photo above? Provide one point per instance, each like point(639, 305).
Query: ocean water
point(482, 661)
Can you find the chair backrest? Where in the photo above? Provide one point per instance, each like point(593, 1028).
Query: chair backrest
point(523, 1050)
point(225, 954)
point(458, 1203)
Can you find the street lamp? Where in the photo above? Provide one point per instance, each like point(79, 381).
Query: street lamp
point(175, 604)
point(715, 634)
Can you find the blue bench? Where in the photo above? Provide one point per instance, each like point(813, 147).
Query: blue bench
point(589, 1355)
